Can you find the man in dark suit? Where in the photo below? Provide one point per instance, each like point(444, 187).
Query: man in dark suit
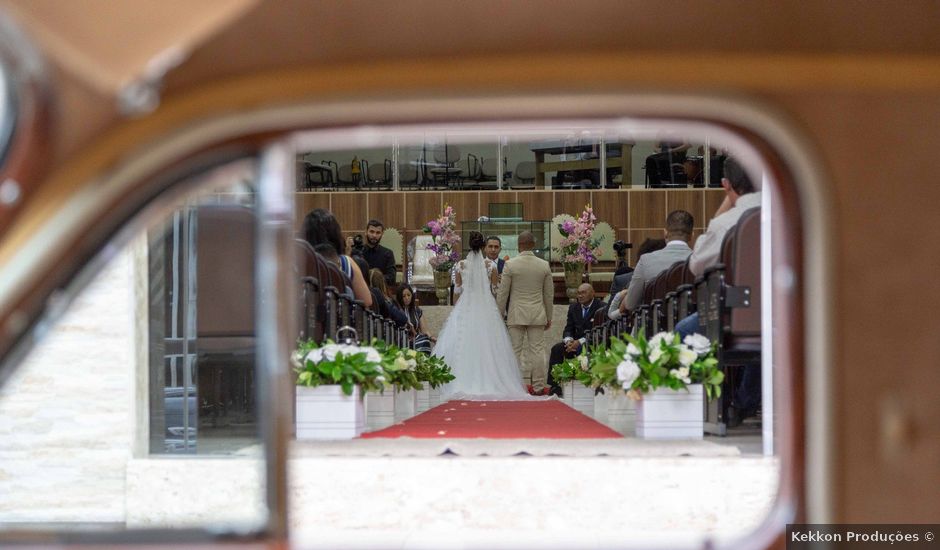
point(492, 249)
point(580, 320)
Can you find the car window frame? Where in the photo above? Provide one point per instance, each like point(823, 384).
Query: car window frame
point(271, 134)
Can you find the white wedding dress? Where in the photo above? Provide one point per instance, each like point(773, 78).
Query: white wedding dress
point(475, 344)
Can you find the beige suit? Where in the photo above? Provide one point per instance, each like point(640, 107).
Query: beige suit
point(527, 286)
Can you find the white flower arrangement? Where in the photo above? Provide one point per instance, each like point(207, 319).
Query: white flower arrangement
point(330, 351)
point(638, 366)
point(347, 365)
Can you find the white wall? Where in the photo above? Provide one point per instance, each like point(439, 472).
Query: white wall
point(67, 421)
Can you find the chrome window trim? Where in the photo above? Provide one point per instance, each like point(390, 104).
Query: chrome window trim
point(26, 105)
point(275, 316)
point(739, 114)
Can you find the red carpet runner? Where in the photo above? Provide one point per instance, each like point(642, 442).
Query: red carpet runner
point(500, 420)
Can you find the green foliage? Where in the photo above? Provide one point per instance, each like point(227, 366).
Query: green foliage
point(575, 368)
point(347, 366)
point(372, 367)
point(433, 370)
point(398, 364)
point(410, 369)
point(635, 364)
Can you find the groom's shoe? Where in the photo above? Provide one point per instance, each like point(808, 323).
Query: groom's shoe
point(530, 389)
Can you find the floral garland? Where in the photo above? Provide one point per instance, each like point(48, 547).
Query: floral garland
point(578, 247)
point(444, 239)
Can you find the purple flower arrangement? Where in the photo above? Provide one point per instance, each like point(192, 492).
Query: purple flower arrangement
point(578, 247)
point(444, 237)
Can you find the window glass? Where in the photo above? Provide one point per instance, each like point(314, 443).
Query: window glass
point(155, 356)
point(633, 176)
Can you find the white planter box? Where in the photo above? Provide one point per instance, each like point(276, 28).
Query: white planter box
point(325, 412)
point(600, 406)
point(434, 397)
point(671, 414)
point(380, 409)
point(621, 412)
point(423, 399)
point(406, 403)
point(579, 397)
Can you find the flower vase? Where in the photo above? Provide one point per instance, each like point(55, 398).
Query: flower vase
point(423, 399)
point(574, 274)
point(621, 412)
point(380, 410)
point(671, 414)
point(325, 412)
point(579, 397)
point(406, 402)
point(442, 286)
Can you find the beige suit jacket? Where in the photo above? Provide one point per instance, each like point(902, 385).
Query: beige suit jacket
point(527, 285)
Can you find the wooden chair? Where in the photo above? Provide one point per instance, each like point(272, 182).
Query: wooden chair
point(225, 304)
point(732, 315)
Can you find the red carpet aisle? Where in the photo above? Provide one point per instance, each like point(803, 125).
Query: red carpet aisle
point(500, 420)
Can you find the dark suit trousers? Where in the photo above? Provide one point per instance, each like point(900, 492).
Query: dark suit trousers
point(557, 355)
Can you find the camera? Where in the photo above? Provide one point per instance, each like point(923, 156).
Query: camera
point(620, 247)
point(357, 247)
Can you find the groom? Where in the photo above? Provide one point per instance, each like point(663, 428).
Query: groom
point(527, 286)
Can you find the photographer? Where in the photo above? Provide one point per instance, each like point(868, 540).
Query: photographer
point(620, 248)
point(378, 256)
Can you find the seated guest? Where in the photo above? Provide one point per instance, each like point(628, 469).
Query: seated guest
point(740, 195)
point(580, 320)
point(327, 251)
point(615, 299)
point(620, 282)
point(623, 274)
point(380, 302)
point(320, 228)
point(678, 235)
point(406, 301)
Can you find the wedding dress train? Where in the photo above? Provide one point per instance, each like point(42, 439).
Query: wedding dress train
point(475, 344)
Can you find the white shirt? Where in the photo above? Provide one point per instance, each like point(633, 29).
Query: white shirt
point(708, 245)
point(613, 312)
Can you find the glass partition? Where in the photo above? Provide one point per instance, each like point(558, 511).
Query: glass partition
point(365, 169)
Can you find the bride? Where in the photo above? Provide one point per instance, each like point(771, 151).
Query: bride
point(474, 341)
